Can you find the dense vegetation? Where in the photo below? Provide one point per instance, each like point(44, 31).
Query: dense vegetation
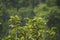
point(29, 19)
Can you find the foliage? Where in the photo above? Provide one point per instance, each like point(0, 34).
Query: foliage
point(34, 29)
point(29, 20)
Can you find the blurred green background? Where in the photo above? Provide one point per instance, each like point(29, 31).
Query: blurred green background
point(29, 19)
